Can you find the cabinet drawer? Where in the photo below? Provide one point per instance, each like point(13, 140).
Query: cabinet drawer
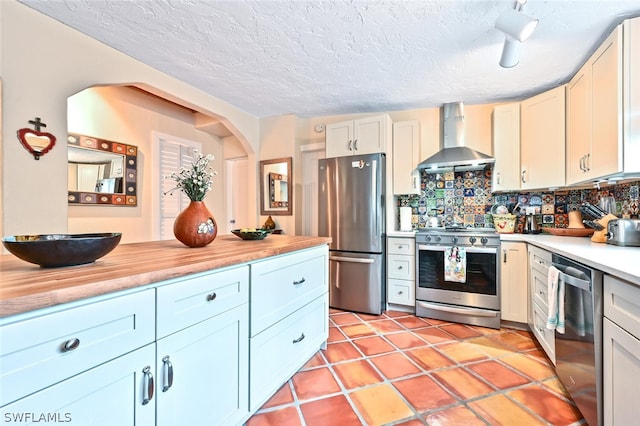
point(33, 350)
point(281, 285)
point(622, 304)
point(545, 337)
point(401, 246)
point(401, 292)
point(539, 259)
point(540, 289)
point(401, 267)
point(280, 351)
point(199, 297)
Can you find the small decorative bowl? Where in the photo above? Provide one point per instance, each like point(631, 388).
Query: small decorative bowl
point(251, 234)
point(55, 250)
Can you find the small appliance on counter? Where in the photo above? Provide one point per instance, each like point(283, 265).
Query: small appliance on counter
point(531, 225)
point(624, 232)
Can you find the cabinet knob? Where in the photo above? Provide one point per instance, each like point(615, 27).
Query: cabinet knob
point(524, 177)
point(400, 268)
point(70, 345)
point(211, 297)
point(400, 293)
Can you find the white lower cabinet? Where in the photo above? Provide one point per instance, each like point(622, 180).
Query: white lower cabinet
point(178, 352)
point(47, 347)
point(401, 271)
point(514, 289)
point(621, 352)
point(539, 263)
point(202, 375)
point(281, 350)
point(111, 394)
point(289, 313)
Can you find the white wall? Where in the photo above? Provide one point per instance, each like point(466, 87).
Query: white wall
point(129, 116)
point(43, 62)
point(278, 140)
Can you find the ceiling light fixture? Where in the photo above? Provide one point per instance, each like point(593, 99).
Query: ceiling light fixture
point(517, 27)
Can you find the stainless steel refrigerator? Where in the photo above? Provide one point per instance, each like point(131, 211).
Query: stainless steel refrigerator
point(351, 203)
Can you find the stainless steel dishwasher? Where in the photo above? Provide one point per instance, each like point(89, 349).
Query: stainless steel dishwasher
point(579, 348)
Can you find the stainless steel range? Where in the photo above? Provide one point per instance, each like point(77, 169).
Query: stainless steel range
point(472, 296)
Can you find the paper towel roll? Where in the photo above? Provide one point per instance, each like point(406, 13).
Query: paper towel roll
point(405, 218)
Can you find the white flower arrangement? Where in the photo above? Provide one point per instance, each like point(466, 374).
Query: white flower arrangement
point(194, 181)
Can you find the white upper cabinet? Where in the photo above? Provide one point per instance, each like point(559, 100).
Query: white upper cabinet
point(603, 102)
point(506, 147)
point(406, 156)
point(542, 140)
point(579, 125)
point(362, 136)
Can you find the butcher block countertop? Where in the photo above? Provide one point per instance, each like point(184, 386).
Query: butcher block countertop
point(25, 287)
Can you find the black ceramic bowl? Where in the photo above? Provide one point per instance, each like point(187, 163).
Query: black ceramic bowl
point(253, 234)
point(54, 250)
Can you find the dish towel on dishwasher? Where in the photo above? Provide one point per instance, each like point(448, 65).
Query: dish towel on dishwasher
point(455, 264)
point(555, 295)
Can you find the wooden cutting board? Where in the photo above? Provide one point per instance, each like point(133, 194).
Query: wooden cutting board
point(570, 232)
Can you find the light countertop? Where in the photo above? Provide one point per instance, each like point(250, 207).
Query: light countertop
point(623, 262)
point(406, 234)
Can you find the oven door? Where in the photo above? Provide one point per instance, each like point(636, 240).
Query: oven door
point(480, 289)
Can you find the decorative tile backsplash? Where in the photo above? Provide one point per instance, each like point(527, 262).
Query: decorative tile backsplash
point(465, 197)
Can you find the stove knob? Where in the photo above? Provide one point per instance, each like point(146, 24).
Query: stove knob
point(454, 240)
point(438, 238)
point(428, 239)
point(484, 240)
point(472, 240)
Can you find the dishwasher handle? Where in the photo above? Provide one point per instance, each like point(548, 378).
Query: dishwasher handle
point(574, 277)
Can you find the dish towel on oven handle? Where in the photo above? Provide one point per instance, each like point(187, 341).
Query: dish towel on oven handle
point(555, 299)
point(455, 264)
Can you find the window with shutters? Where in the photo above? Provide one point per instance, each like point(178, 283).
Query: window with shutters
point(173, 155)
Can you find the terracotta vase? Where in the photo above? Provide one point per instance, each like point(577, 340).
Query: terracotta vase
point(195, 225)
point(269, 223)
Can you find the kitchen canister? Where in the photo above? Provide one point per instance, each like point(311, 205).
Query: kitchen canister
point(405, 218)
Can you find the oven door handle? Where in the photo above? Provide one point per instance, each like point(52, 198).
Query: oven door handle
point(458, 310)
point(467, 249)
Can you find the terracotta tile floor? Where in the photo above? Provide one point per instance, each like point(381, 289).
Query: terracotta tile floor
point(398, 369)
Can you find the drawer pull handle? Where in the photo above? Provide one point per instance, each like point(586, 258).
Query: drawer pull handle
point(148, 385)
point(299, 282)
point(299, 339)
point(71, 345)
point(211, 297)
point(168, 373)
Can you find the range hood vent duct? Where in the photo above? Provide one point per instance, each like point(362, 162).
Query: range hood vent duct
point(454, 155)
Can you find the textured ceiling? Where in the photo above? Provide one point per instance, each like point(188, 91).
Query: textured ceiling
point(313, 58)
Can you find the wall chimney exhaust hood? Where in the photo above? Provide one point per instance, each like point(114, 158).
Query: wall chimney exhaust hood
point(454, 155)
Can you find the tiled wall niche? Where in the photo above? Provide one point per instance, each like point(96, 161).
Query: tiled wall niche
point(466, 197)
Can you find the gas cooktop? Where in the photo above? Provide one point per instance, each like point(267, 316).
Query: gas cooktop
point(458, 235)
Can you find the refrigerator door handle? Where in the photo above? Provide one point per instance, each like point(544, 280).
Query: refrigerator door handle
point(350, 259)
